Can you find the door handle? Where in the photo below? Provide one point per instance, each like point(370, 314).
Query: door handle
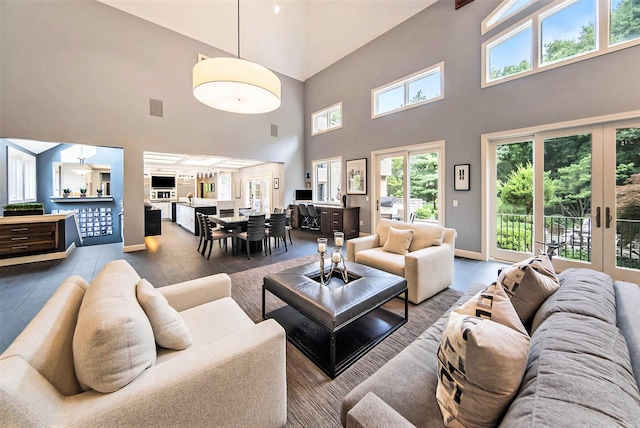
point(609, 218)
point(377, 205)
point(598, 217)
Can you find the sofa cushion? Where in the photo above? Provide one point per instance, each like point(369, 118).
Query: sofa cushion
point(169, 329)
point(380, 259)
point(582, 291)
point(481, 359)
point(425, 234)
point(398, 241)
point(528, 284)
point(628, 320)
point(113, 342)
point(578, 375)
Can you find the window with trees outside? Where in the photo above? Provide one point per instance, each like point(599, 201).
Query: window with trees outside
point(422, 87)
point(21, 174)
point(564, 32)
point(327, 119)
point(327, 176)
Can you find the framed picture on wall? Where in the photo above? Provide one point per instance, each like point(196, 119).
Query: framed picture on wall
point(357, 177)
point(461, 179)
point(276, 183)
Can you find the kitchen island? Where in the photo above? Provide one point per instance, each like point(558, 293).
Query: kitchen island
point(186, 215)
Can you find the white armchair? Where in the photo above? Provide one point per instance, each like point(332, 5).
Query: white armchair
point(428, 264)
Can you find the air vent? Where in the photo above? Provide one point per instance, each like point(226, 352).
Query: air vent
point(274, 130)
point(155, 107)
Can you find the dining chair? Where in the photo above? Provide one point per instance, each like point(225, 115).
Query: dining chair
point(386, 215)
point(412, 217)
point(203, 232)
point(256, 231)
point(304, 216)
point(314, 216)
point(277, 230)
point(214, 234)
point(287, 225)
point(226, 212)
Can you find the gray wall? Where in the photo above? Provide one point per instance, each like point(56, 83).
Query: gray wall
point(79, 71)
point(604, 85)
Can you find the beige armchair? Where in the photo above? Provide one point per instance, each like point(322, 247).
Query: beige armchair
point(427, 265)
point(233, 374)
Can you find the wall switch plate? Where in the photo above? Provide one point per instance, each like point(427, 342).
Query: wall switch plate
point(366, 198)
point(361, 223)
point(455, 202)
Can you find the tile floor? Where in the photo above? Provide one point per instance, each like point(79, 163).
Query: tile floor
point(170, 258)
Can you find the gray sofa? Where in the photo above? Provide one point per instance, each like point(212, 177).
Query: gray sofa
point(583, 367)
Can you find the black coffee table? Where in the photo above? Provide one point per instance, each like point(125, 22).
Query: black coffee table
point(335, 324)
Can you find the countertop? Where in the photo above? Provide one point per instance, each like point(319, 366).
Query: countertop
point(46, 218)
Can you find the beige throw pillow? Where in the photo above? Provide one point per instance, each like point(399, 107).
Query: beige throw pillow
point(113, 342)
point(398, 241)
point(481, 360)
point(169, 328)
point(528, 284)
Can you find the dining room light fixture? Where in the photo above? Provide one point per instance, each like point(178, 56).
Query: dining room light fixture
point(236, 85)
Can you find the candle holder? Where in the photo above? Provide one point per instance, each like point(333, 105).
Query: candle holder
point(336, 258)
point(322, 248)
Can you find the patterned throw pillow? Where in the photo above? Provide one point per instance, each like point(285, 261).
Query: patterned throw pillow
point(481, 360)
point(528, 284)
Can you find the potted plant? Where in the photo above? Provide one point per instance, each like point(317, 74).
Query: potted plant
point(99, 192)
point(83, 192)
point(35, 208)
point(66, 192)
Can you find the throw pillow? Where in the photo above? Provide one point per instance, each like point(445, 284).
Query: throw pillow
point(482, 358)
point(398, 241)
point(113, 342)
point(528, 284)
point(169, 328)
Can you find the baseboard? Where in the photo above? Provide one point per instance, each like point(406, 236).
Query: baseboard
point(132, 248)
point(469, 255)
point(38, 257)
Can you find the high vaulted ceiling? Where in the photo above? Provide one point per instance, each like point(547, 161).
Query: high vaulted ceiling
point(305, 37)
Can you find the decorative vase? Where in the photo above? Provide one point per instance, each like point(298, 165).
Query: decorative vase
point(65, 195)
point(344, 201)
point(83, 195)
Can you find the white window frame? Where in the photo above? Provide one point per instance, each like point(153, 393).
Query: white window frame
point(21, 176)
point(314, 179)
point(602, 41)
point(496, 17)
point(504, 36)
point(405, 82)
point(326, 113)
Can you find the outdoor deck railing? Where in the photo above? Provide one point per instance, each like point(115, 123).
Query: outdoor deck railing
point(515, 232)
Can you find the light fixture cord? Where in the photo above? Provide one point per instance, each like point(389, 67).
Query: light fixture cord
point(238, 29)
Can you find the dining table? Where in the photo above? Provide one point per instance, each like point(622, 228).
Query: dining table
point(236, 223)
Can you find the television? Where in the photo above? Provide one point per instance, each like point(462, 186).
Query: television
point(304, 195)
point(162, 182)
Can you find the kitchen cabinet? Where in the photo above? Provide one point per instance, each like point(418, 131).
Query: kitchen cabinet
point(28, 238)
point(165, 209)
point(186, 216)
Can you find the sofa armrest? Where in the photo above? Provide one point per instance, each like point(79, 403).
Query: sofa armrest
point(239, 380)
point(372, 412)
point(195, 292)
point(429, 270)
point(362, 243)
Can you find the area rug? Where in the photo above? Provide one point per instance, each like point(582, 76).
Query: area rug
point(313, 399)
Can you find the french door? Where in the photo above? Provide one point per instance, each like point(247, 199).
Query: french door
point(417, 198)
point(258, 193)
point(571, 186)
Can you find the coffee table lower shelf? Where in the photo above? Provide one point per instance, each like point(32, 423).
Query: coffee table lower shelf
point(348, 344)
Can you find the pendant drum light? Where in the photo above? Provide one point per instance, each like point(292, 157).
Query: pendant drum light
point(236, 85)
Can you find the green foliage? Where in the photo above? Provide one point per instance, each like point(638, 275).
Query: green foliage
point(509, 156)
point(24, 207)
point(66, 190)
point(508, 70)
point(625, 21)
point(562, 49)
point(572, 188)
point(425, 213)
point(515, 232)
point(419, 96)
point(83, 190)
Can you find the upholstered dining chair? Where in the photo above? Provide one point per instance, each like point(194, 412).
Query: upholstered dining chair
point(277, 230)
point(214, 234)
point(256, 231)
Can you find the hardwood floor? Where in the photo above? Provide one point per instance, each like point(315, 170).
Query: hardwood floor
point(169, 258)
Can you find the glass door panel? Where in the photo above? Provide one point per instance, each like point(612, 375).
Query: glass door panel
point(423, 187)
point(391, 186)
point(567, 193)
point(512, 194)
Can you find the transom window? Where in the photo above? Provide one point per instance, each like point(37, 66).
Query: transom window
point(505, 10)
point(327, 119)
point(21, 176)
point(564, 32)
point(327, 176)
point(419, 88)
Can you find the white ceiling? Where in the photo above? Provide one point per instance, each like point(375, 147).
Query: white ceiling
point(305, 37)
